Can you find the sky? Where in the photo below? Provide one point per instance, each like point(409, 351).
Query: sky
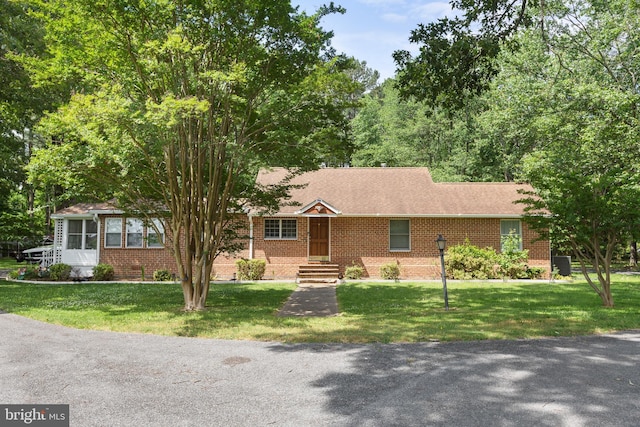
point(371, 30)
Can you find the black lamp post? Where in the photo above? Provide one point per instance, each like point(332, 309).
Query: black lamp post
point(442, 243)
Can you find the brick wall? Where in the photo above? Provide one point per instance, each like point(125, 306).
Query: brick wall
point(363, 241)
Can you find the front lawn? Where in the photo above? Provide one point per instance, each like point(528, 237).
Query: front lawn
point(370, 312)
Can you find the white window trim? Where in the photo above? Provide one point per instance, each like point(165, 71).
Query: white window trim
point(106, 228)
point(280, 229)
point(389, 235)
point(151, 230)
point(83, 235)
point(519, 234)
point(126, 233)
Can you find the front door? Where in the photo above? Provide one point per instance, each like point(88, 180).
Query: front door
point(318, 239)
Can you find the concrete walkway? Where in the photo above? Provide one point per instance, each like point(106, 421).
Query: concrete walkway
point(311, 300)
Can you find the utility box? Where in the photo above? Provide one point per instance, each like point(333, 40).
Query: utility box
point(563, 264)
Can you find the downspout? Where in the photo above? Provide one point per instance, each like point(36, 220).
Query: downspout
point(96, 219)
point(250, 236)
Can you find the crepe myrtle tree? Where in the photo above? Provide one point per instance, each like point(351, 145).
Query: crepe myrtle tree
point(181, 103)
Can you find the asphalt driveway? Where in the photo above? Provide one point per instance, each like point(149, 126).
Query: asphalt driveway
point(115, 379)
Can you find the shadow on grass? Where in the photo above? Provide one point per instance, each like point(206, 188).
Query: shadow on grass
point(369, 312)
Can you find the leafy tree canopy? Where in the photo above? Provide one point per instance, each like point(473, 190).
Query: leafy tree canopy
point(182, 102)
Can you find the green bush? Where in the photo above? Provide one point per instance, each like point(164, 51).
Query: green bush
point(355, 272)
point(535, 272)
point(162, 276)
point(251, 269)
point(512, 260)
point(29, 272)
point(103, 272)
point(390, 271)
point(466, 261)
point(60, 272)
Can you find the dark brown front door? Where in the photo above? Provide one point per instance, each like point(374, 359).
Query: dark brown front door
point(319, 239)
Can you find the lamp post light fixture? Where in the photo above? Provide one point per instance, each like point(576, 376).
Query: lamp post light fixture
point(442, 243)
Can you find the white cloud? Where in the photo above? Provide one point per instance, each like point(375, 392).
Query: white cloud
point(432, 11)
point(395, 18)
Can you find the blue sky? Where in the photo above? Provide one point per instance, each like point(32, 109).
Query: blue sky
point(372, 30)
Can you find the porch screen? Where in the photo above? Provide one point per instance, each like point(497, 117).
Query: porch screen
point(82, 234)
point(74, 234)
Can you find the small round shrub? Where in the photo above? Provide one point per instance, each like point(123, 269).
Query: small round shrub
point(390, 271)
point(60, 272)
point(162, 276)
point(251, 269)
point(103, 272)
point(355, 272)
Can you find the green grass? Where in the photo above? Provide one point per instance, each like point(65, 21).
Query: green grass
point(10, 263)
point(370, 312)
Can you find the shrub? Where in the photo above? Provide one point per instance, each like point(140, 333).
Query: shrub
point(251, 269)
point(103, 272)
point(390, 271)
point(513, 260)
point(467, 262)
point(162, 276)
point(355, 272)
point(27, 273)
point(535, 272)
point(60, 272)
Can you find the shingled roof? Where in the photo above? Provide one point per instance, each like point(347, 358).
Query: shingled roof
point(396, 192)
point(85, 209)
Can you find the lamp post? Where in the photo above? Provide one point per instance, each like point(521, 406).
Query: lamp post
point(442, 243)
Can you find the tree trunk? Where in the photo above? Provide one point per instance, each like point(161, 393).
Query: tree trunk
point(633, 254)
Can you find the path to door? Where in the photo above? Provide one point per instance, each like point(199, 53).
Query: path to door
point(311, 300)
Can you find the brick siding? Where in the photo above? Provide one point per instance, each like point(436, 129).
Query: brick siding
point(353, 240)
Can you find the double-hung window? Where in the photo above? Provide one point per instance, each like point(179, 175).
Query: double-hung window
point(399, 235)
point(82, 234)
point(113, 233)
point(134, 232)
point(155, 239)
point(510, 229)
point(285, 229)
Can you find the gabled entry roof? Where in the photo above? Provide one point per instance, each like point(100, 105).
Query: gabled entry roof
point(395, 192)
point(318, 207)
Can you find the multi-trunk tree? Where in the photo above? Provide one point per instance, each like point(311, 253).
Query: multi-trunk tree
point(181, 103)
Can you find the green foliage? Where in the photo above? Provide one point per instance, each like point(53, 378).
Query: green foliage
point(390, 271)
point(258, 80)
point(162, 276)
point(457, 55)
point(468, 261)
point(369, 312)
point(512, 260)
point(535, 272)
point(60, 272)
point(251, 269)
point(103, 272)
point(354, 272)
point(29, 272)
